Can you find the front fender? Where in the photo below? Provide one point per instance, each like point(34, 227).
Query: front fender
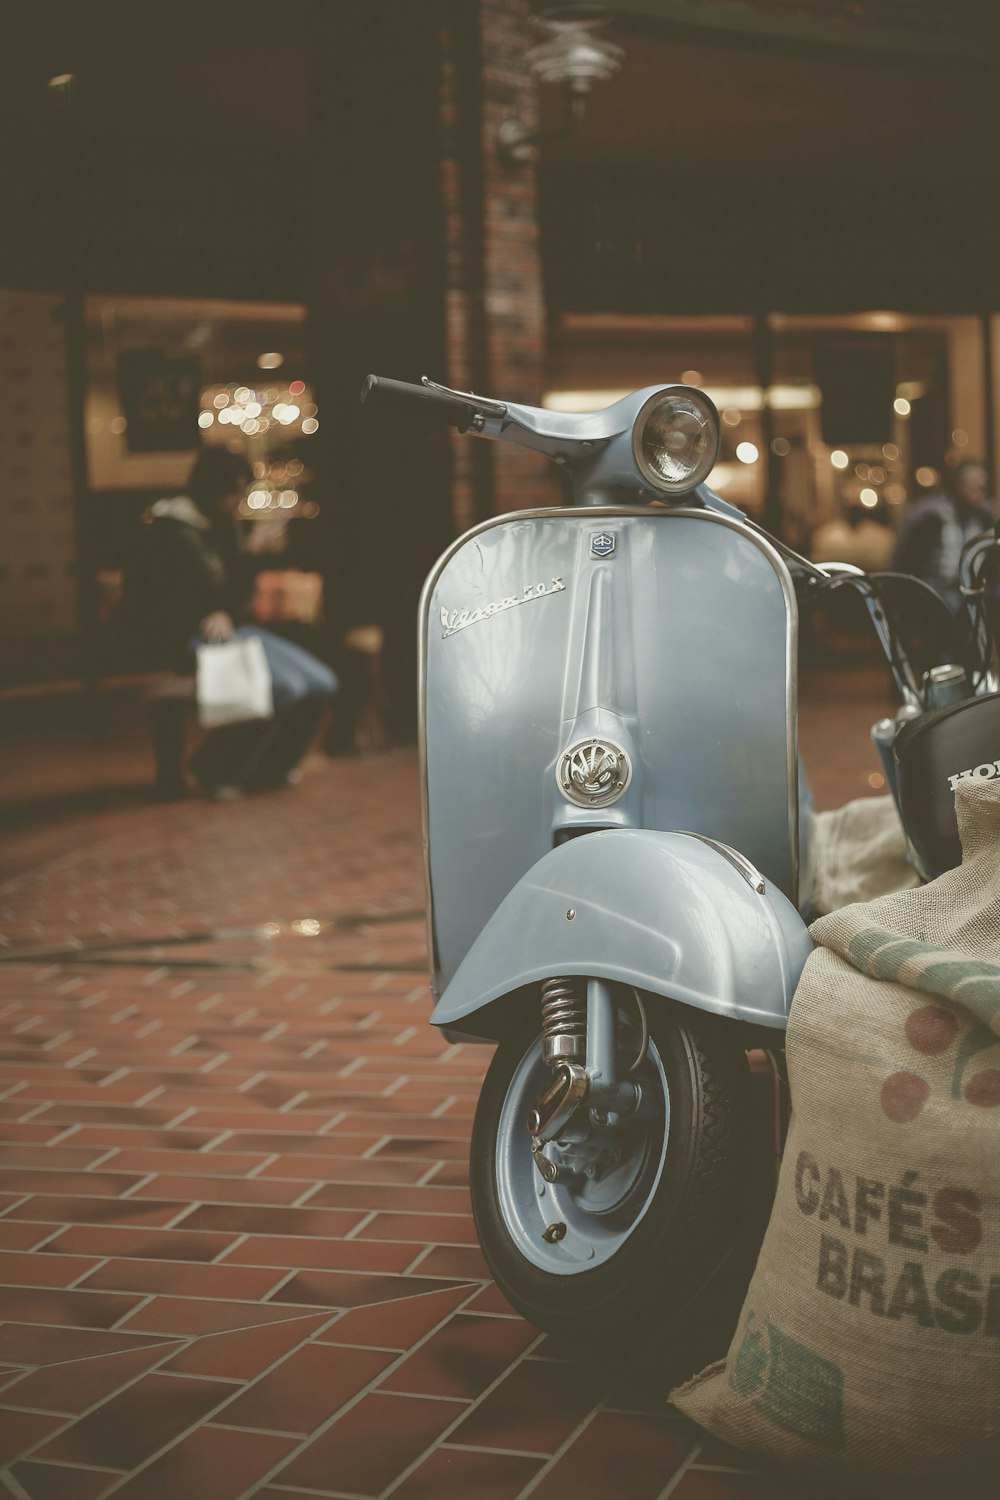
point(661, 911)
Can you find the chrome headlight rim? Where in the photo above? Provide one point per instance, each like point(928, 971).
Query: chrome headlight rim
point(698, 476)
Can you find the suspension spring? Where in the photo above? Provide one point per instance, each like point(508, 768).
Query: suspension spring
point(564, 1021)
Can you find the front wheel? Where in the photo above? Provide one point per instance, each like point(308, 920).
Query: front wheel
point(642, 1207)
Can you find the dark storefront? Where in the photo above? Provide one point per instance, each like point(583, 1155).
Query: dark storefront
point(783, 200)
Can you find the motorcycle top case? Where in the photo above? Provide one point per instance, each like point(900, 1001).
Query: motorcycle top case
point(671, 634)
point(958, 743)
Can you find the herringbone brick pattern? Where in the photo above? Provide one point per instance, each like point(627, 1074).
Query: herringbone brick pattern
point(236, 1250)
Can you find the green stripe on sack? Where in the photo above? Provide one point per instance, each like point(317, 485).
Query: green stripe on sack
point(882, 954)
point(969, 982)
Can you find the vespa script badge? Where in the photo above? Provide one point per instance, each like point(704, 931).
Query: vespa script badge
point(593, 773)
point(454, 620)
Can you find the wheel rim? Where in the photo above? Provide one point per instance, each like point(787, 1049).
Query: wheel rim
point(594, 1214)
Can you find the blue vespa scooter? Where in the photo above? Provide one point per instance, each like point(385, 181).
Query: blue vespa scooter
point(615, 847)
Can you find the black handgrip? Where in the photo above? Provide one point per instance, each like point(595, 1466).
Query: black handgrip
point(450, 409)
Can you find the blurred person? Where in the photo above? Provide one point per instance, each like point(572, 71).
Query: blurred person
point(193, 583)
point(937, 526)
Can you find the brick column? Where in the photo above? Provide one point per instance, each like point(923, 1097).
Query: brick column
point(494, 303)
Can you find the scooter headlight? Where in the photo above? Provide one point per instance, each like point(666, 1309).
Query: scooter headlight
point(675, 439)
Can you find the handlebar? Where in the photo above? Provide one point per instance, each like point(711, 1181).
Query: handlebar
point(435, 403)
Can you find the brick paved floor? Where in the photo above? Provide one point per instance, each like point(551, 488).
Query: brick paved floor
point(236, 1250)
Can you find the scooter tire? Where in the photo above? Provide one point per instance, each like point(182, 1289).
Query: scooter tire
point(695, 1217)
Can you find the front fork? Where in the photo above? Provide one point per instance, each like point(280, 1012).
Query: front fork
point(580, 1045)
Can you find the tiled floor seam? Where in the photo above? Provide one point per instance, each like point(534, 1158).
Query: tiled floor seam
point(144, 1181)
point(171, 1346)
point(372, 1385)
point(14, 1488)
point(465, 1402)
point(504, 1452)
point(26, 1198)
point(297, 1489)
point(363, 1222)
point(33, 1113)
point(219, 1258)
point(118, 1326)
point(46, 1438)
point(682, 1468)
point(216, 1140)
point(471, 1407)
point(111, 1078)
point(560, 1452)
point(107, 1156)
point(205, 1419)
point(170, 1352)
point(282, 1432)
point(425, 1180)
point(185, 1114)
point(262, 1165)
point(65, 1463)
point(283, 1281)
point(698, 1468)
point(74, 1285)
point(185, 1210)
point(38, 1411)
point(304, 1197)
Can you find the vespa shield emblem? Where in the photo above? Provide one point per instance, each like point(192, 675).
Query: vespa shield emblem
point(593, 773)
point(602, 544)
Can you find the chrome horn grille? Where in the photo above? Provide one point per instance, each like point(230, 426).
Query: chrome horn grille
point(593, 773)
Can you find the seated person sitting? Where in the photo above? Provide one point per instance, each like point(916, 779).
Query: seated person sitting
point(191, 583)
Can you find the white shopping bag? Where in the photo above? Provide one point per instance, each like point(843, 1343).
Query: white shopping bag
point(233, 683)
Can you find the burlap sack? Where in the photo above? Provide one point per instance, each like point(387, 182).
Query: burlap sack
point(858, 853)
point(870, 1335)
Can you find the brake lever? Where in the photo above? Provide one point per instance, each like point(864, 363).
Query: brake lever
point(486, 404)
